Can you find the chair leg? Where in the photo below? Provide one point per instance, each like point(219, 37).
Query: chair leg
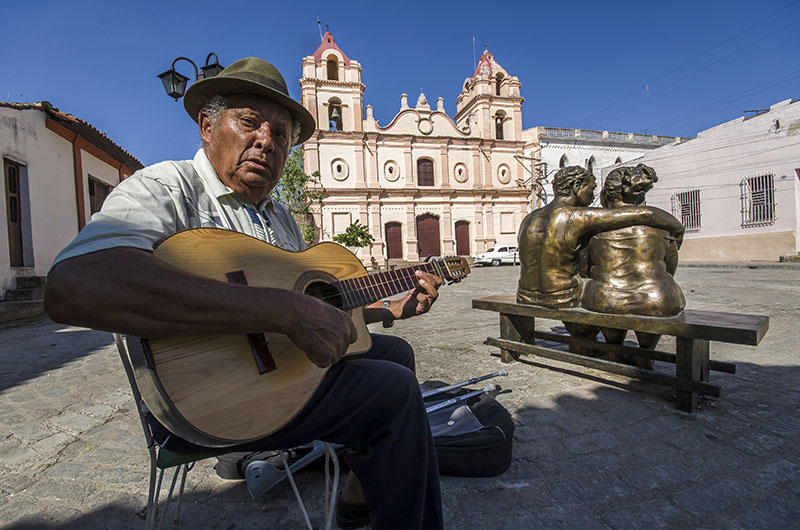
point(169, 495)
point(152, 495)
point(186, 469)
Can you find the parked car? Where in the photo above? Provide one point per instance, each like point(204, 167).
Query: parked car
point(497, 255)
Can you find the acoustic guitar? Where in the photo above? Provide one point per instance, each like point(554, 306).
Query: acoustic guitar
point(223, 390)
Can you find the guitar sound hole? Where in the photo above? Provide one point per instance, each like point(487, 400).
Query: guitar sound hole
point(325, 292)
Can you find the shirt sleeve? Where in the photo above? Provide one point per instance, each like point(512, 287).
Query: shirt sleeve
point(141, 211)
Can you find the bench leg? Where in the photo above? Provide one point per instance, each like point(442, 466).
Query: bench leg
point(518, 329)
point(692, 363)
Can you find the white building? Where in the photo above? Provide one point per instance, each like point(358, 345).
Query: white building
point(57, 170)
point(427, 183)
point(735, 187)
point(558, 148)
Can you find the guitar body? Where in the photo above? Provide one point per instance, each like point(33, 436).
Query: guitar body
point(209, 390)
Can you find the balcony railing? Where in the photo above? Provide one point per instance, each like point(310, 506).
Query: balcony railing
point(606, 136)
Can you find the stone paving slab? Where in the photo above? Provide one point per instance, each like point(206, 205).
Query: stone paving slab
point(592, 450)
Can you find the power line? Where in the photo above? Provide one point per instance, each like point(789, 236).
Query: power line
point(740, 95)
point(690, 60)
point(681, 80)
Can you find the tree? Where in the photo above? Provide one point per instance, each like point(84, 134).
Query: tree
point(354, 236)
point(299, 192)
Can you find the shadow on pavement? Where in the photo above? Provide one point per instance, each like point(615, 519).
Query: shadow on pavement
point(26, 355)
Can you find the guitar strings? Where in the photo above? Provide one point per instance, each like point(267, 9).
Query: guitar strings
point(361, 295)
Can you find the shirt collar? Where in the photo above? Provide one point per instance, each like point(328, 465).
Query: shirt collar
point(215, 184)
point(207, 172)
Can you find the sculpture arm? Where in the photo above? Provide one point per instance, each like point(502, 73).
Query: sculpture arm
point(590, 221)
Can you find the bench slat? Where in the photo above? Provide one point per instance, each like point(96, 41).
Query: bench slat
point(656, 355)
point(608, 366)
point(717, 326)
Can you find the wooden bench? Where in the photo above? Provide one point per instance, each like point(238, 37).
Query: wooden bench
point(693, 331)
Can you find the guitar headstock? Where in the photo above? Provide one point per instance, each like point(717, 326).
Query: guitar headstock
point(453, 268)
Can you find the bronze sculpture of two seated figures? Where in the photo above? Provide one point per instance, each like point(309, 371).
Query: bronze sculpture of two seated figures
point(616, 259)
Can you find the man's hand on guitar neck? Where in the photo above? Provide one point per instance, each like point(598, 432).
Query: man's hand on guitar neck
point(420, 299)
point(324, 333)
point(320, 333)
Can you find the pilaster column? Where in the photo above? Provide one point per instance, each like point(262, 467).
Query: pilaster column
point(412, 252)
point(480, 240)
point(477, 181)
point(361, 177)
point(311, 155)
point(376, 228)
point(447, 228)
point(372, 161)
point(444, 162)
point(488, 220)
point(408, 166)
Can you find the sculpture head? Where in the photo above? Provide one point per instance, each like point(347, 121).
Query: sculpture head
point(627, 185)
point(575, 181)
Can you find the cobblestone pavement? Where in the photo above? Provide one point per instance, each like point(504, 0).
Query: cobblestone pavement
point(592, 450)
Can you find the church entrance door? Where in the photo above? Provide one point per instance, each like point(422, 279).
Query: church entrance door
point(394, 241)
point(428, 236)
point(462, 238)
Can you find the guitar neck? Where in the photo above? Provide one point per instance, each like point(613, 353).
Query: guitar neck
point(364, 290)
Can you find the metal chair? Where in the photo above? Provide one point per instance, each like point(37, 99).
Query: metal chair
point(260, 475)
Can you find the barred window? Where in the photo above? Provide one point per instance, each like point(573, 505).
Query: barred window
point(425, 172)
point(98, 191)
point(758, 199)
point(686, 207)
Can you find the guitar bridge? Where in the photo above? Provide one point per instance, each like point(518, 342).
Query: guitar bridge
point(259, 343)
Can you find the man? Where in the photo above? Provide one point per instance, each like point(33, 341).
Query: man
point(108, 279)
point(551, 238)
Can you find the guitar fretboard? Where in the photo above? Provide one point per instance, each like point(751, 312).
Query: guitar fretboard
point(358, 292)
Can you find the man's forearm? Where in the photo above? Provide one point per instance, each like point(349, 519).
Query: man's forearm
point(131, 291)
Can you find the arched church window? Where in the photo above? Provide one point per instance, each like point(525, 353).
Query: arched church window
point(333, 68)
point(425, 172)
point(618, 160)
point(590, 165)
point(498, 124)
point(497, 83)
point(335, 114)
point(563, 162)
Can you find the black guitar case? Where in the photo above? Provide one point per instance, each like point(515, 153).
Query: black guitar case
point(472, 438)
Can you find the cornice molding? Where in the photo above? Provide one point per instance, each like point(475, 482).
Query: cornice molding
point(484, 97)
point(314, 81)
point(411, 139)
point(418, 193)
point(602, 148)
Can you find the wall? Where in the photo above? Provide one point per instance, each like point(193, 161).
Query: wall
point(715, 163)
point(49, 170)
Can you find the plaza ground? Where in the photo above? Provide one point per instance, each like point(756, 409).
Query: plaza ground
point(592, 450)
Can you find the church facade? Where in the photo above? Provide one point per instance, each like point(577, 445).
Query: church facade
point(426, 183)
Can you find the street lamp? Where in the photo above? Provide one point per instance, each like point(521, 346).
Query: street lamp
point(175, 82)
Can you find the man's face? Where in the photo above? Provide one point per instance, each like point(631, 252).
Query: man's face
point(585, 193)
point(248, 145)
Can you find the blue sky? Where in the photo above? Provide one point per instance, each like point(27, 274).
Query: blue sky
point(671, 68)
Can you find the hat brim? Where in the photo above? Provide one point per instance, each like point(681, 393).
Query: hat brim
point(201, 91)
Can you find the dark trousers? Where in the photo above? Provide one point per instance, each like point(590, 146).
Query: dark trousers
point(371, 403)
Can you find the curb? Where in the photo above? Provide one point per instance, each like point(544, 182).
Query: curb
point(15, 310)
point(742, 265)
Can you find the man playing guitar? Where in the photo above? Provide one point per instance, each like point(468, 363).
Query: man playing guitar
point(109, 279)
